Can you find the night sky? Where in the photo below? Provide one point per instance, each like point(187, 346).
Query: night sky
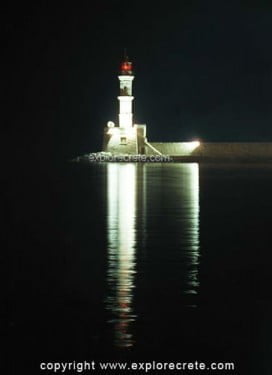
point(203, 69)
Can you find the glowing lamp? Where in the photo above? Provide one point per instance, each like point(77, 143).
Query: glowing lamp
point(195, 144)
point(191, 146)
point(126, 67)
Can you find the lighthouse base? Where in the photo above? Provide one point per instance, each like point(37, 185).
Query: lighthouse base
point(125, 141)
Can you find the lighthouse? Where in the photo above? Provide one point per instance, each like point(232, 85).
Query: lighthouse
point(126, 138)
point(125, 98)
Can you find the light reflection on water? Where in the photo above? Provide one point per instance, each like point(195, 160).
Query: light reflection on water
point(121, 188)
point(129, 208)
point(189, 201)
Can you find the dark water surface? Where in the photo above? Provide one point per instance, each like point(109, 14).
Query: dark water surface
point(142, 261)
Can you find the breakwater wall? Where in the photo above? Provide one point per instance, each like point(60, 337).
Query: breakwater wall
point(230, 151)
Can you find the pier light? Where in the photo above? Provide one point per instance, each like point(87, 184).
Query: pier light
point(191, 146)
point(195, 144)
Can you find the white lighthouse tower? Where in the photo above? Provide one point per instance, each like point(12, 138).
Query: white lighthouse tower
point(127, 137)
point(125, 98)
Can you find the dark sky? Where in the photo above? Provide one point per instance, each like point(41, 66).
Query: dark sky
point(203, 70)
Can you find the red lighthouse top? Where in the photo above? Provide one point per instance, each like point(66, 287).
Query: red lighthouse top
point(126, 67)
